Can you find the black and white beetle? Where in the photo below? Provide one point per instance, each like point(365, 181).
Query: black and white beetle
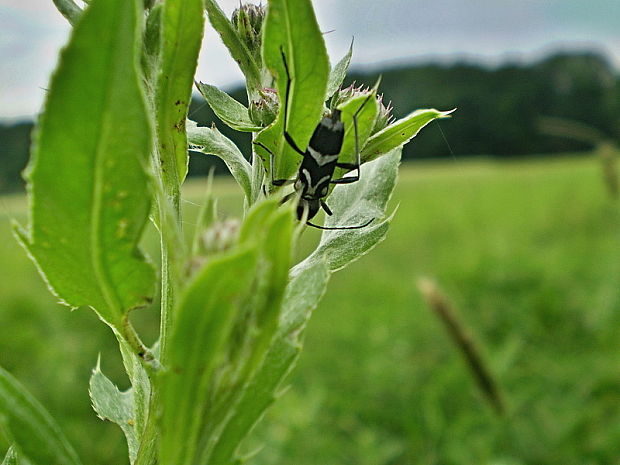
point(319, 162)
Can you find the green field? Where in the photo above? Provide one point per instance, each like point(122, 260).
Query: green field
point(528, 251)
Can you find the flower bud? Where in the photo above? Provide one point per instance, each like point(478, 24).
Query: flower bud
point(220, 236)
point(264, 110)
point(248, 21)
point(384, 116)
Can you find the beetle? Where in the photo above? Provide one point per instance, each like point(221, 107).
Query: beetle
point(319, 161)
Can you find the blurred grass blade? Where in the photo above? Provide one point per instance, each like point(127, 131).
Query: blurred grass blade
point(87, 179)
point(291, 27)
point(464, 341)
point(34, 431)
point(115, 406)
point(355, 204)
point(226, 108)
point(339, 73)
point(400, 132)
point(302, 296)
point(213, 142)
point(69, 10)
point(235, 45)
point(181, 35)
point(204, 318)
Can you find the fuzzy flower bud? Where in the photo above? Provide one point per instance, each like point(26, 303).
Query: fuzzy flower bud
point(248, 21)
point(264, 109)
point(220, 236)
point(384, 117)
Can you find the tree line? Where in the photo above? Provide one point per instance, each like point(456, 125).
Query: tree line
point(499, 110)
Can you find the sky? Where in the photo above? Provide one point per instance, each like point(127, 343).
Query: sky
point(386, 32)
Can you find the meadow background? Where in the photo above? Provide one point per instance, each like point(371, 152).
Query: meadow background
point(517, 226)
point(527, 250)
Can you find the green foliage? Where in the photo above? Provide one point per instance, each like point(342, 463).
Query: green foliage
point(339, 73)
point(355, 140)
point(69, 10)
point(237, 48)
point(205, 319)
point(211, 141)
point(182, 23)
point(88, 181)
point(116, 406)
point(31, 427)
point(232, 310)
point(231, 112)
point(302, 296)
point(536, 282)
point(399, 133)
point(11, 457)
point(356, 203)
point(291, 29)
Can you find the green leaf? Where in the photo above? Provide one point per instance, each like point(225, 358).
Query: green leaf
point(302, 296)
point(400, 132)
point(204, 319)
point(235, 45)
point(69, 10)
point(151, 46)
point(231, 112)
point(115, 406)
point(365, 122)
point(31, 427)
point(206, 216)
point(354, 204)
point(11, 457)
point(87, 179)
point(213, 142)
point(181, 36)
point(338, 73)
point(291, 28)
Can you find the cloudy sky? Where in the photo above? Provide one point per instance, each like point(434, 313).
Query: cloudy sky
point(386, 31)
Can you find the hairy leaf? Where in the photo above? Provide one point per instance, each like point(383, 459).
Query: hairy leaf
point(231, 112)
point(87, 179)
point(141, 391)
point(181, 36)
point(338, 73)
point(291, 28)
point(365, 122)
point(302, 296)
point(235, 45)
point(354, 204)
point(399, 132)
point(69, 9)
point(151, 47)
point(213, 142)
point(204, 318)
point(115, 406)
point(31, 427)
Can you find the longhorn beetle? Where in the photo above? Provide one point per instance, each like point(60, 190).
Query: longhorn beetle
point(319, 161)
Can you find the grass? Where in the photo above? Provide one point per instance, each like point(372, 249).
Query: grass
point(529, 253)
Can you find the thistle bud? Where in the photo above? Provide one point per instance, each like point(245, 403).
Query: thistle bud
point(264, 109)
point(384, 116)
point(220, 236)
point(248, 21)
